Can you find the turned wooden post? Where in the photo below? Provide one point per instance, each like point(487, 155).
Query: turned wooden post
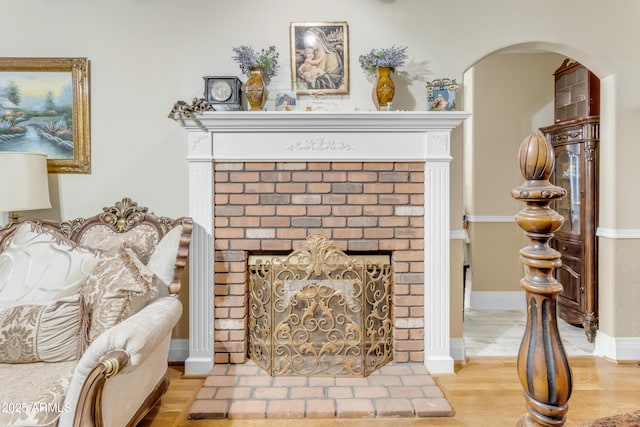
point(543, 368)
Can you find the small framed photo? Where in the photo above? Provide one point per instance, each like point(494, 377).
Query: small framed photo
point(44, 107)
point(320, 57)
point(441, 94)
point(286, 100)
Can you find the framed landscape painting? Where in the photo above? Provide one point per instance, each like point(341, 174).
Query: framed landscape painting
point(44, 107)
point(320, 57)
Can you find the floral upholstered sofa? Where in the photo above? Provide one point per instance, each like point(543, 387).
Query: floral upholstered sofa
point(87, 309)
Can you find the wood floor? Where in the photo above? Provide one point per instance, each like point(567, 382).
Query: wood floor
point(484, 391)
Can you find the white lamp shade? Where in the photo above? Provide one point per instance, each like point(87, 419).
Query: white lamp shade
point(24, 184)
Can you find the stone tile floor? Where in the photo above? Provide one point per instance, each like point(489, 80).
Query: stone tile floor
point(247, 392)
point(500, 332)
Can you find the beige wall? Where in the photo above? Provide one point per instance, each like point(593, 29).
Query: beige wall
point(145, 55)
point(619, 276)
point(181, 330)
point(457, 254)
point(494, 256)
point(457, 260)
point(512, 96)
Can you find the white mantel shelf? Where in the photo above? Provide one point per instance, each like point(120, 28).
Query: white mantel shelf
point(320, 136)
point(312, 136)
point(323, 121)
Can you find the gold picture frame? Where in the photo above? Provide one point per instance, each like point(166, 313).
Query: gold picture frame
point(44, 107)
point(320, 57)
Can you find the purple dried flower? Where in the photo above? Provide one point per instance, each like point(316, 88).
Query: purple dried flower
point(248, 58)
point(393, 57)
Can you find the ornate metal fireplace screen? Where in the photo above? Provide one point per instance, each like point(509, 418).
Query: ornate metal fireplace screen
point(320, 312)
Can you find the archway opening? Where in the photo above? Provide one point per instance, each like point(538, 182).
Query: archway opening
point(510, 93)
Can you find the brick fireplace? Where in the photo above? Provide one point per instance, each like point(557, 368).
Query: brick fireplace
point(261, 182)
point(364, 207)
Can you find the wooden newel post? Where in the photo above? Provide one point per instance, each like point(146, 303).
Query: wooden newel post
point(543, 368)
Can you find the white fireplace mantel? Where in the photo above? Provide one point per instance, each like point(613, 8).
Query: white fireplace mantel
point(301, 136)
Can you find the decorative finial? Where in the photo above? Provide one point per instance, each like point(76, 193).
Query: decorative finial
point(536, 158)
point(536, 161)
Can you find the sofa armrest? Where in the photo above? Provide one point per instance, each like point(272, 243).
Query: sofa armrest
point(120, 350)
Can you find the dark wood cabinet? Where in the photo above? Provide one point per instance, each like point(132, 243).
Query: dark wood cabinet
point(577, 92)
point(575, 137)
point(575, 143)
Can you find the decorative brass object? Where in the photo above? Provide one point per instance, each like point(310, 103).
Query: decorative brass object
point(183, 110)
point(543, 367)
point(320, 312)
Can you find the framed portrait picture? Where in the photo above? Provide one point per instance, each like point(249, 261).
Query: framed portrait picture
point(320, 57)
point(44, 107)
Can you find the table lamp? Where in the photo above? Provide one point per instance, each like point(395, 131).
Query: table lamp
point(24, 184)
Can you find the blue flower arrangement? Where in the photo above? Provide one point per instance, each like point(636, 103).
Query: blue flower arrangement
point(393, 57)
point(248, 58)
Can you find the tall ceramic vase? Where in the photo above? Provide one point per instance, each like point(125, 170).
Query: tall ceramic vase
point(384, 88)
point(256, 89)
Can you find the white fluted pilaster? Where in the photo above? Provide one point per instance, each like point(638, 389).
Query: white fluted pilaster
point(436, 252)
point(201, 262)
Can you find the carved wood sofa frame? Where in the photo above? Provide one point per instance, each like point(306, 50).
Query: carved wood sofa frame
point(122, 217)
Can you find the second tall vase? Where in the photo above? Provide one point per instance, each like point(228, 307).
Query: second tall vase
point(384, 89)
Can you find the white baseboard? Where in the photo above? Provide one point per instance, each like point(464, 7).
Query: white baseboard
point(457, 349)
point(490, 300)
point(178, 350)
point(618, 349)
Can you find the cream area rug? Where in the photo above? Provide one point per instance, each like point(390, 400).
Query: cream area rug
point(631, 419)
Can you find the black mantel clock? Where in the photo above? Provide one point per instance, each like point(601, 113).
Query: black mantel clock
point(223, 93)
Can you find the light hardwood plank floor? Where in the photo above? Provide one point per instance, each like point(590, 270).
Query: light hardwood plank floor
point(484, 391)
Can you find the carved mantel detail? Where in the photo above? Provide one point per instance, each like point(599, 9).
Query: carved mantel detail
point(320, 144)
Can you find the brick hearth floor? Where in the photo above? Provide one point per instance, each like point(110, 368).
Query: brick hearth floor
point(247, 392)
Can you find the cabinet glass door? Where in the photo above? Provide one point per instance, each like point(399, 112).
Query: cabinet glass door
point(567, 175)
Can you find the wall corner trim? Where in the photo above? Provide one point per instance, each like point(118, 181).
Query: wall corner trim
point(491, 218)
point(498, 300)
point(619, 233)
point(178, 350)
point(457, 235)
point(458, 349)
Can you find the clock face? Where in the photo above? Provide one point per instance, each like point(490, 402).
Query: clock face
point(220, 90)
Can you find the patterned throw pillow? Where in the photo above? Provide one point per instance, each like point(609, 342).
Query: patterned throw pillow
point(142, 239)
point(41, 264)
point(119, 286)
point(50, 332)
point(163, 261)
